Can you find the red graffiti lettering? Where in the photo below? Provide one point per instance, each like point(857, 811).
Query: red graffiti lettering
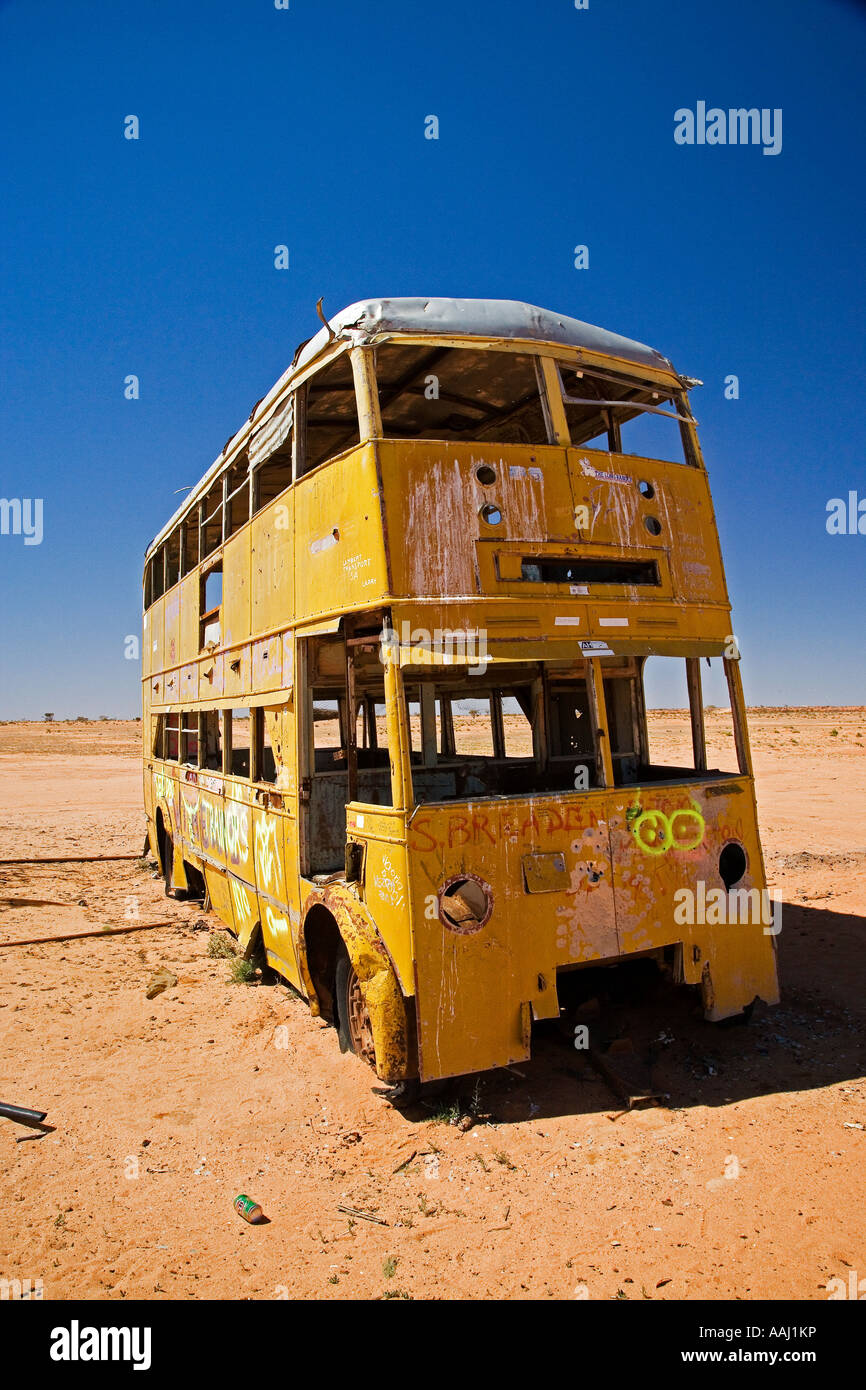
point(480, 826)
point(458, 825)
point(419, 827)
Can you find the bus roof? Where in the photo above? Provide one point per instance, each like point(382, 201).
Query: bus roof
point(371, 319)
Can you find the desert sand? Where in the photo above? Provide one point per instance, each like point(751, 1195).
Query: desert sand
point(748, 1182)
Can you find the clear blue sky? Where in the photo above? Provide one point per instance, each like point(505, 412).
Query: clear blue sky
point(306, 127)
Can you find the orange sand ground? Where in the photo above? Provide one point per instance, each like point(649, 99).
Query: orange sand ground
point(165, 1109)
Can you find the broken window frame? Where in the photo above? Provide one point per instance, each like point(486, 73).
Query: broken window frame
point(209, 616)
point(619, 755)
point(231, 525)
point(613, 688)
point(171, 727)
point(316, 687)
point(366, 393)
point(258, 734)
point(190, 729)
point(303, 412)
point(700, 771)
point(154, 586)
point(696, 713)
point(556, 685)
point(438, 350)
point(257, 474)
point(204, 717)
point(228, 743)
point(206, 518)
point(738, 712)
point(496, 695)
point(189, 546)
point(172, 551)
point(537, 679)
point(282, 426)
point(608, 407)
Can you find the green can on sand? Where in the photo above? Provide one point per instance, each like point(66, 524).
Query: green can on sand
point(248, 1209)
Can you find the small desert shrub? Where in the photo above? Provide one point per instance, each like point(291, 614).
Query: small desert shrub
point(220, 946)
point(241, 972)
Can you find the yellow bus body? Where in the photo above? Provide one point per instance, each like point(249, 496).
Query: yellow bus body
point(395, 530)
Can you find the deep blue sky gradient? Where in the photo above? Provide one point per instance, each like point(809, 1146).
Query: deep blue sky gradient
point(306, 127)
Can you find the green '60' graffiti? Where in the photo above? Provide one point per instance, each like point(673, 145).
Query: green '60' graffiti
point(656, 832)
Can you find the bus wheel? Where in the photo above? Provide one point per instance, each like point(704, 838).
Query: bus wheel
point(167, 862)
point(356, 1034)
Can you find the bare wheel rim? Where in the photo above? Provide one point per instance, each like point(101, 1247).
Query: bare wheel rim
point(360, 1032)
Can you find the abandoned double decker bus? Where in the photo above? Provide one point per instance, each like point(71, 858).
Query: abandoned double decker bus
point(394, 683)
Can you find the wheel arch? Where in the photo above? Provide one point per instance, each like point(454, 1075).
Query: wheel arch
point(332, 923)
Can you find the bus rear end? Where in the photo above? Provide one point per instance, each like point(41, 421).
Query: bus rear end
point(541, 822)
point(524, 878)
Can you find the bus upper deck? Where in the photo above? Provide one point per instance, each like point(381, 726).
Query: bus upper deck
point(406, 464)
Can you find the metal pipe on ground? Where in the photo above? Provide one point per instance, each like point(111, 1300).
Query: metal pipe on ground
point(80, 935)
point(76, 859)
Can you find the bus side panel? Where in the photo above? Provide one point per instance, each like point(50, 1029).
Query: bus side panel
point(423, 486)
point(606, 485)
point(293, 899)
point(172, 630)
point(147, 783)
point(272, 600)
point(340, 560)
point(664, 839)
point(146, 651)
point(478, 988)
point(210, 832)
point(386, 893)
point(425, 481)
point(189, 601)
point(240, 861)
point(235, 618)
point(220, 895)
point(273, 896)
point(156, 631)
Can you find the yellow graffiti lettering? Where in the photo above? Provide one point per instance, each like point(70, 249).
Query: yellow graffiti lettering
point(243, 914)
point(190, 817)
point(268, 874)
point(164, 787)
point(237, 832)
point(274, 922)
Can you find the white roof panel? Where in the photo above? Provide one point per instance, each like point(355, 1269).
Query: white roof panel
point(371, 319)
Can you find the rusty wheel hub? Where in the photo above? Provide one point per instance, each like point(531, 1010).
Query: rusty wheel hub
point(360, 1030)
